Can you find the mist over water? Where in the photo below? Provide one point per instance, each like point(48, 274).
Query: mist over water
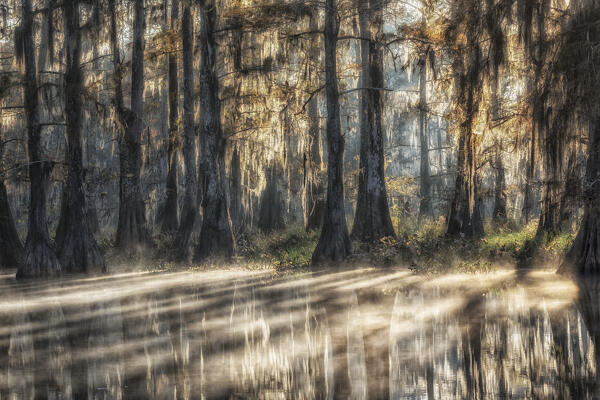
point(361, 334)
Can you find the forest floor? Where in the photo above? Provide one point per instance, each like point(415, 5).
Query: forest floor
point(424, 249)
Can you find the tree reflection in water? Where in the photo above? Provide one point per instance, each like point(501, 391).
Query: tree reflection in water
point(357, 334)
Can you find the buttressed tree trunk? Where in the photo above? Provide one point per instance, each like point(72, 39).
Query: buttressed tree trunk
point(313, 193)
point(77, 247)
point(40, 258)
point(132, 231)
point(170, 221)
point(372, 219)
point(464, 219)
point(216, 238)
point(189, 213)
point(334, 243)
point(584, 255)
point(11, 248)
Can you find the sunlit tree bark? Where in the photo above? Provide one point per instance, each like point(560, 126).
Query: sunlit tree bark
point(334, 243)
point(372, 218)
point(313, 190)
point(216, 238)
point(132, 230)
point(40, 258)
point(170, 221)
point(189, 213)
point(77, 247)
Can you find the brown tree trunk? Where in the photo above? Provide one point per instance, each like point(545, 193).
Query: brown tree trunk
point(313, 190)
point(216, 238)
point(189, 214)
point(40, 258)
point(465, 219)
point(584, 255)
point(77, 247)
point(499, 214)
point(132, 231)
point(372, 219)
point(271, 213)
point(11, 248)
point(334, 243)
point(424, 171)
point(170, 218)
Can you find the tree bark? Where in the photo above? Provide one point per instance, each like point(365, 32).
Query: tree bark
point(334, 243)
point(584, 255)
point(465, 219)
point(424, 171)
point(313, 190)
point(271, 213)
point(77, 247)
point(216, 238)
point(132, 231)
point(11, 248)
point(40, 258)
point(235, 190)
point(372, 219)
point(189, 214)
point(170, 220)
point(499, 215)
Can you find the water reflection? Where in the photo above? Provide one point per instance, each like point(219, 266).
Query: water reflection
point(362, 334)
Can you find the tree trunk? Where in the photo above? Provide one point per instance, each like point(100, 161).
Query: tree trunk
point(170, 219)
point(132, 231)
point(424, 172)
point(465, 219)
point(499, 214)
point(313, 190)
point(334, 243)
point(235, 191)
point(11, 248)
point(584, 255)
point(77, 247)
point(271, 213)
point(189, 214)
point(372, 218)
point(216, 238)
point(40, 258)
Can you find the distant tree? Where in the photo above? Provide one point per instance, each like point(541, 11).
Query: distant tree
point(40, 258)
point(334, 243)
point(132, 230)
point(170, 217)
point(216, 238)
point(189, 214)
point(77, 247)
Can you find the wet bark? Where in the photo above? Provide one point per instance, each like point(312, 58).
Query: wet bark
point(313, 190)
point(216, 238)
point(372, 219)
point(584, 255)
point(189, 214)
point(499, 214)
point(334, 243)
point(424, 171)
point(77, 247)
point(170, 221)
point(40, 258)
point(132, 230)
point(11, 248)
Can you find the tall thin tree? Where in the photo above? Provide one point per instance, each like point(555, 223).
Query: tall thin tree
point(77, 247)
point(334, 243)
point(40, 258)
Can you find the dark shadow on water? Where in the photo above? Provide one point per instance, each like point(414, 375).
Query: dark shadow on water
point(347, 334)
